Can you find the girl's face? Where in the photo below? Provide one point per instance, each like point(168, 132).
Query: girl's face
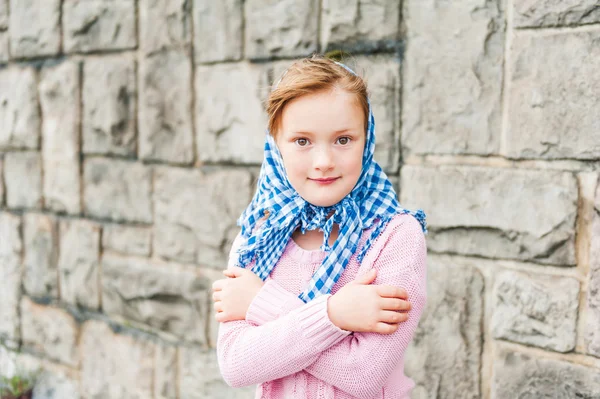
point(321, 139)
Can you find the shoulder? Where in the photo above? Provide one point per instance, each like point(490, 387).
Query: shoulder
point(402, 237)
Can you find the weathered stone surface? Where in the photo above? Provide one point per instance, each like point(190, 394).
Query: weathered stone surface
point(165, 372)
point(109, 92)
point(549, 71)
point(50, 331)
point(592, 332)
point(34, 28)
point(59, 97)
point(444, 357)
point(518, 375)
point(118, 190)
point(218, 29)
point(184, 197)
point(40, 274)
point(10, 275)
point(161, 297)
point(99, 25)
point(23, 179)
point(285, 28)
point(453, 76)
point(56, 386)
point(165, 24)
point(2, 190)
point(128, 240)
point(165, 108)
point(360, 24)
point(78, 263)
point(114, 366)
point(3, 31)
point(230, 119)
point(496, 212)
point(538, 13)
point(199, 377)
point(383, 77)
point(19, 115)
point(539, 311)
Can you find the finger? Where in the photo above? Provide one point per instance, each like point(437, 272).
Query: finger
point(366, 278)
point(395, 304)
point(385, 328)
point(218, 306)
point(234, 271)
point(389, 291)
point(216, 296)
point(217, 285)
point(221, 317)
point(391, 317)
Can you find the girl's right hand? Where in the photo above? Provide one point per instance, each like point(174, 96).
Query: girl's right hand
point(361, 307)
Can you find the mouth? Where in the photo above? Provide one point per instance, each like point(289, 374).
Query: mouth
point(327, 180)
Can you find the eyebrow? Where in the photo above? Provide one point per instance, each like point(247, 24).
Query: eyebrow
point(311, 133)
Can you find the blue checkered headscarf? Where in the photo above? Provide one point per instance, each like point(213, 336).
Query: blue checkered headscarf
point(372, 203)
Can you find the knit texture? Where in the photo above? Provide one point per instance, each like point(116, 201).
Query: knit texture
point(293, 350)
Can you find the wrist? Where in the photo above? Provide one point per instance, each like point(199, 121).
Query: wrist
point(331, 312)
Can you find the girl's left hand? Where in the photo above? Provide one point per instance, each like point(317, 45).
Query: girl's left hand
point(232, 296)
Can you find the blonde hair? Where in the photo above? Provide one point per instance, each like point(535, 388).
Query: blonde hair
point(309, 76)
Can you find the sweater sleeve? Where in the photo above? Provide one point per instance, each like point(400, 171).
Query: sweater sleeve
point(249, 354)
point(361, 363)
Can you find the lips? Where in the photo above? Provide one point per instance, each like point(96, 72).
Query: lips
point(325, 180)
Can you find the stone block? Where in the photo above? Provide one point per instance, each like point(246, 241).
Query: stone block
point(34, 27)
point(165, 298)
point(526, 215)
point(117, 190)
point(127, 240)
point(23, 179)
point(40, 234)
point(165, 24)
point(59, 98)
point(11, 247)
point(383, 79)
point(230, 118)
point(183, 197)
point(519, 375)
point(2, 189)
point(218, 30)
point(553, 95)
point(287, 28)
point(115, 366)
point(360, 25)
point(165, 372)
point(444, 358)
point(92, 25)
point(109, 105)
point(50, 331)
point(199, 377)
point(4, 31)
point(165, 119)
point(452, 83)
point(19, 115)
point(539, 311)
point(78, 263)
point(543, 13)
point(591, 331)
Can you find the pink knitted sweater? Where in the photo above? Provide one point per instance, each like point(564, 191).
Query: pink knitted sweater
point(293, 350)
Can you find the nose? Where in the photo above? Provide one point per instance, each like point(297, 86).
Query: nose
point(323, 159)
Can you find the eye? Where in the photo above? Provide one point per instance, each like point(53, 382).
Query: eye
point(344, 140)
point(302, 142)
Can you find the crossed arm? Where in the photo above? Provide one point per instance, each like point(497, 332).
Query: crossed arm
point(281, 335)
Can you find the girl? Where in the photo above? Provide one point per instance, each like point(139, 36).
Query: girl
point(312, 305)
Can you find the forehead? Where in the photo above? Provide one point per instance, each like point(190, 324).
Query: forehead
point(324, 110)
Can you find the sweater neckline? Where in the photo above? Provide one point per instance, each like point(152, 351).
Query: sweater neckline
point(304, 255)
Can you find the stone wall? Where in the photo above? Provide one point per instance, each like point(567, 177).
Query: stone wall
point(130, 139)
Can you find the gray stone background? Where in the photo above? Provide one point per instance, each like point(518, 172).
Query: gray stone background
point(130, 139)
